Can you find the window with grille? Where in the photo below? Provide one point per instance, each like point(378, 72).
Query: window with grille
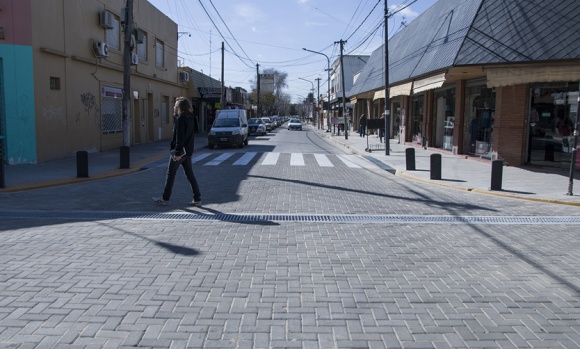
point(159, 54)
point(112, 110)
point(54, 83)
point(142, 49)
point(114, 35)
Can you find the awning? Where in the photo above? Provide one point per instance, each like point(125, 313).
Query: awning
point(379, 94)
point(429, 83)
point(401, 90)
point(506, 76)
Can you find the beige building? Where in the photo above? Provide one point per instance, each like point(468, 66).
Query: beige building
point(72, 101)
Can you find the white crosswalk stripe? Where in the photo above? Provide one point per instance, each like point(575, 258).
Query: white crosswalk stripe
point(347, 162)
point(245, 159)
point(219, 159)
point(323, 160)
point(296, 159)
point(271, 159)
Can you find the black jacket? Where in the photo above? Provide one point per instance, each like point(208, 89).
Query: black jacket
point(184, 127)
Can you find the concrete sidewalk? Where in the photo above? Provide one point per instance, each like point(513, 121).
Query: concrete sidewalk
point(459, 172)
point(543, 184)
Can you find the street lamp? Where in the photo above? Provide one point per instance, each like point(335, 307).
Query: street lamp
point(328, 71)
point(312, 90)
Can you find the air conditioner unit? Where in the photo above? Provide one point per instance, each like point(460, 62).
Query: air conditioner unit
point(134, 59)
point(101, 49)
point(184, 76)
point(106, 20)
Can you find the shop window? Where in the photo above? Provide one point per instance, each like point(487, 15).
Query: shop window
point(444, 118)
point(480, 110)
point(552, 118)
point(417, 117)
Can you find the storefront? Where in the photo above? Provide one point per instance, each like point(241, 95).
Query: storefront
point(479, 117)
point(552, 116)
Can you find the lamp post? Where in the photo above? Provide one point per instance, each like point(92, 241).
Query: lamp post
point(311, 90)
point(328, 94)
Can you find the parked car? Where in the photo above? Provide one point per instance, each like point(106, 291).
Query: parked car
point(256, 126)
point(268, 123)
point(295, 124)
point(229, 128)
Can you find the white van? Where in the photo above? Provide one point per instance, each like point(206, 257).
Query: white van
point(230, 128)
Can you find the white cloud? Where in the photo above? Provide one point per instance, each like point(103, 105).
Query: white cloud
point(248, 13)
point(407, 12)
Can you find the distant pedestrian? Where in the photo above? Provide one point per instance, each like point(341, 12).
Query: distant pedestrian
point(184, 126)
point(362, 122)
point(382, 128)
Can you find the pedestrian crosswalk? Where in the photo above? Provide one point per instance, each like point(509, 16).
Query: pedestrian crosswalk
point(279, 159)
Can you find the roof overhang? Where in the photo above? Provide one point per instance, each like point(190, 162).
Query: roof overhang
point(401, 90)
point(507, 76)
point(429, 83)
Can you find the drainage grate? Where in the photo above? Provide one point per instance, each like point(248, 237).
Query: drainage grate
point(223, 217)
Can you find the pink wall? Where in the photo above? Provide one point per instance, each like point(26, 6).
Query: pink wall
point(15, 19)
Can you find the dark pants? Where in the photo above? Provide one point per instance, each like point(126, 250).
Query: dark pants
point(362, 130)
point(172, 167)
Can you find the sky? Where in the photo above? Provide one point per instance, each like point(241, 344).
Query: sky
point(273, 33)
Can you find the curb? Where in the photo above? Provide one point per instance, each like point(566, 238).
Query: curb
point(486, 192)
point(139, 166)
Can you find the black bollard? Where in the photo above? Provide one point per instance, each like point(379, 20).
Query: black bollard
point(82, 164)
point(125, 157)
point(496, 174)
point(2, 178)
point(435, 166)
point(410, 159)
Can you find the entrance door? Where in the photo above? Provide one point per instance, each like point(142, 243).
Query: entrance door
point(440, 122)
point(150, 124)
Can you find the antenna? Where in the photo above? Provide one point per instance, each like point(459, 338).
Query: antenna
point(210, 53)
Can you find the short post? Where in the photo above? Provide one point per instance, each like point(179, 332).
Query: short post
point(125, 157)
point(82, 164)
point(435, 166)
point(496, 174)
point(410, 159)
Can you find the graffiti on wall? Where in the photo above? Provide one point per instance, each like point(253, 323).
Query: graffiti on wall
point(52, 113)
point(91, 107)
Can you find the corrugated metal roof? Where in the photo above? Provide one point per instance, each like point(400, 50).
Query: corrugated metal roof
point(522, 31)
point(428, 44)
point(476, 32)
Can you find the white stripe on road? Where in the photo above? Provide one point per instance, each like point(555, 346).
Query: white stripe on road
point(271, 159)
point(200, 157)
point(347, 162)
point(245, 159)
point(323, 160)
point(219, 159)
point(296, 159)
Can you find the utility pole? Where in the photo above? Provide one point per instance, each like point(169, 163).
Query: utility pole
point(223, 97)
point(317, 104)
point(387, 112)
point(342, 42)
point(127, 50)
point(258, 91)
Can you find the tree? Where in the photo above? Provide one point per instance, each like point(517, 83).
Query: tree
point(272, 103)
